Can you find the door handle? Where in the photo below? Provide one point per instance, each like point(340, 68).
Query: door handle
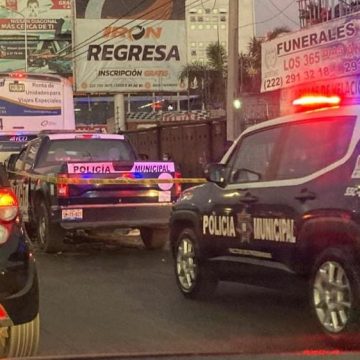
point(305, 194)
point(248, 198)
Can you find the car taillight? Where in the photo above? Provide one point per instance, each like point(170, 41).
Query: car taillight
point(177, 186)
point(9, 209)
point(62, 189)
point(9, 206)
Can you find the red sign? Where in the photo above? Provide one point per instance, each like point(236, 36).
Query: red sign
point(61, 4)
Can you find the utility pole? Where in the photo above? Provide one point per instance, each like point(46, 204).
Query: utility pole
point(232, 126)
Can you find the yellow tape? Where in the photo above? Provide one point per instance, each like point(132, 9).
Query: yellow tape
point(79, 181)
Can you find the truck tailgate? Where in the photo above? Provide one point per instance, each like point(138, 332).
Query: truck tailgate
point(101, 192)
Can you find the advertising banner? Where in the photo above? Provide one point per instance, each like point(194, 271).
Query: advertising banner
point(48, 35)
point(44, 18)
point(326, 51)
point(129, 46)
point(30, 105)
point(49, 56)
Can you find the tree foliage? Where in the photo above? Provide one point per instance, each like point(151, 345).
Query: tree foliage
point(250, 62)
point(208, 79)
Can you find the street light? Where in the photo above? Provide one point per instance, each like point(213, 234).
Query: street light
point(25, 33)
point(237, 104)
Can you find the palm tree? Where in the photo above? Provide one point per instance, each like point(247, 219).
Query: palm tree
point(250, 62)
point(276, 32)
point(216, 55)
point(210, 76)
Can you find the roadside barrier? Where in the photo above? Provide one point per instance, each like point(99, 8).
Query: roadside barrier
point(121, 180)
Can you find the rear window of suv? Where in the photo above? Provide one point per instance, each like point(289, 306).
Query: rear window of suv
point(86, 150)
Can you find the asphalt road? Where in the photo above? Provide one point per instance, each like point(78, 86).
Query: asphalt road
point(110, 298)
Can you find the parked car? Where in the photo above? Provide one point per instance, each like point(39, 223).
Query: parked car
point(19, 294)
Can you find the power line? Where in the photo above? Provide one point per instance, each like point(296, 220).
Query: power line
point(145, 22)
point(114, 22)
point(283, 13)
point(202, 4)
point(268, 19)
point(148, 22)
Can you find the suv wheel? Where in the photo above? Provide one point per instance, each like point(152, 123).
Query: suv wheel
point(50, 236)
point(194, 276)
point(335, 288)
point(154, 238)
point(20, 340)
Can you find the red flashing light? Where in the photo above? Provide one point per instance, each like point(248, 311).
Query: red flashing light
point(18, 75)
point(127, 175)
point(177, 186)
point(317, 101)
point(3, 313)
point(320, 352)
point(87, 136)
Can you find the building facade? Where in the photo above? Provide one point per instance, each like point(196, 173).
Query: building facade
point(207, 22)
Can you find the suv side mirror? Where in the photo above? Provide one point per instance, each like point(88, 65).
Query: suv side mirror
point(10, 162)
point(215, 173)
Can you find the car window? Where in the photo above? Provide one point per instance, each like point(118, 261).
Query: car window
point(253, 159)
point(313, 145)
point(86, 150)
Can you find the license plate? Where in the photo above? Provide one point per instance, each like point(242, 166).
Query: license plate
point(72, 214)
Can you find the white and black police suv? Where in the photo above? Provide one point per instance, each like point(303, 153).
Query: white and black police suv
point(282, 205)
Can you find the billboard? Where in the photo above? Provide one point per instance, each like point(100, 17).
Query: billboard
point(47, 35)
point(129, 45)
point(326, 51)
point(45, 19)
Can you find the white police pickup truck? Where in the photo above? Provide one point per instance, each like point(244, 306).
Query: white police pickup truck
point(47, 174)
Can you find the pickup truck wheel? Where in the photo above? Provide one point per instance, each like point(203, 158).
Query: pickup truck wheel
point(194, 276)
point(50, 236)
point(154, 238)
point(335, 286)
point(20, 340)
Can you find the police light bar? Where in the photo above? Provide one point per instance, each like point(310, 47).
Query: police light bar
point(317, 101)
point(88, 136)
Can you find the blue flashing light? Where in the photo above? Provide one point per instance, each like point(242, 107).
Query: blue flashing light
point(138, 175)
point(87, 176)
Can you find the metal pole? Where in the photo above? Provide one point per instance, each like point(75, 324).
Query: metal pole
point(26, 45)
point(232, 128)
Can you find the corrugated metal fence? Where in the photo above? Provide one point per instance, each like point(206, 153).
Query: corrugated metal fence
point(191, 145)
